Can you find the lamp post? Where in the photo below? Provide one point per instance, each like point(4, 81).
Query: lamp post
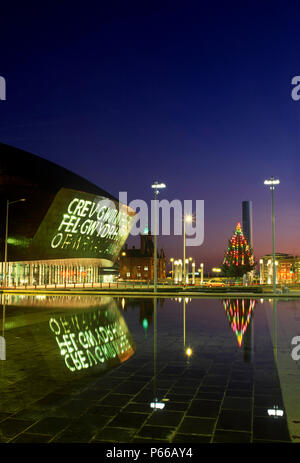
point(261, 271)
point(8, 203)
point(180, 268)
point(156, 186)
point(188, 218)
point(172, 261)
point(175, 276)
point(201, 266)
point(272, 182)
point(193, 272)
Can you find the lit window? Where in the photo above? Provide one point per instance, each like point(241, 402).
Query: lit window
point(139, 274)
point(146, 268)
point(128, 274)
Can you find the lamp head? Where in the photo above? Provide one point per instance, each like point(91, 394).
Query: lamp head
point(271, 182)
point(158, 186)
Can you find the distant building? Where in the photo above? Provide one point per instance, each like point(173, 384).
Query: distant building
point(287, 269)
point(138, 264)
point(247, 221)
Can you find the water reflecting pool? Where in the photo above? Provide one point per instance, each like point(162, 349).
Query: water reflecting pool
point(103, 369)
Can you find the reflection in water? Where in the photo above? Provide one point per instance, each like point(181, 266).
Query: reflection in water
point(156, 404)
point(240, 313)
point(2, 337)
point(70, 334)
point(186, 346)
point(145, 307)
point(276, 411)
point(65, 302)
point(91, 338)
point(58, 348)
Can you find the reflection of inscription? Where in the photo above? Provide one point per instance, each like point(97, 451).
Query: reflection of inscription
point(86, 222)
point(84, 344)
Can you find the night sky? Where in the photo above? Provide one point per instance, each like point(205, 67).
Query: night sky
point(196, 94)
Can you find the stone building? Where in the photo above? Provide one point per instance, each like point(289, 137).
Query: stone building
point(138, 263)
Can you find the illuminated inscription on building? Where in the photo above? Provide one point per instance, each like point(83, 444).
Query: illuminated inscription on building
point(86, 221)
point(84, 341)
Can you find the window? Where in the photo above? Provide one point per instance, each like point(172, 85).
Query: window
point(146, 268)
point(139, 274)
point(128, 274)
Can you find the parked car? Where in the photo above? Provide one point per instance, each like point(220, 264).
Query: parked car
point(212, 283)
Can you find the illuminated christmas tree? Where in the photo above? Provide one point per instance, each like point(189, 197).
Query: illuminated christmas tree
point(238, 258)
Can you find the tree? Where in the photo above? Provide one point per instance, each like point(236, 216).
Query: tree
point(238, 258)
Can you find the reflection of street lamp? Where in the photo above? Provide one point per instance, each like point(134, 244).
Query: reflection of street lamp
point(272, 182)
point(8, 203)
point(275, 411)
point(187, 350)
point(2, 338)
point(157, 186)
point(188, 218)
point(156, 405)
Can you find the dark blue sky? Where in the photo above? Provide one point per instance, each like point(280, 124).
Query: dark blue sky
point(196, 94)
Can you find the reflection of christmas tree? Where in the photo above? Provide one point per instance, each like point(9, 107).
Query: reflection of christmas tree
point(238, 258)
point(239, 313)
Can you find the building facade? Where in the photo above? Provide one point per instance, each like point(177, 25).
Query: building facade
point(287, 269)
point(247, 219)
point(138, 264)
point(57, 227)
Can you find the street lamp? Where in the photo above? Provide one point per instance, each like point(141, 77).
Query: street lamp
point(201, 265)
point(261, 271)
point(193, 272)
point(187, 219)
point(272, 182)
point(172, 261)
point(180, 269)
point(216, 270)
point(8, 203)
point(156, 186)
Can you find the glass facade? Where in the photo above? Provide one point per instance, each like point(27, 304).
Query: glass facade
point(45, 273)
